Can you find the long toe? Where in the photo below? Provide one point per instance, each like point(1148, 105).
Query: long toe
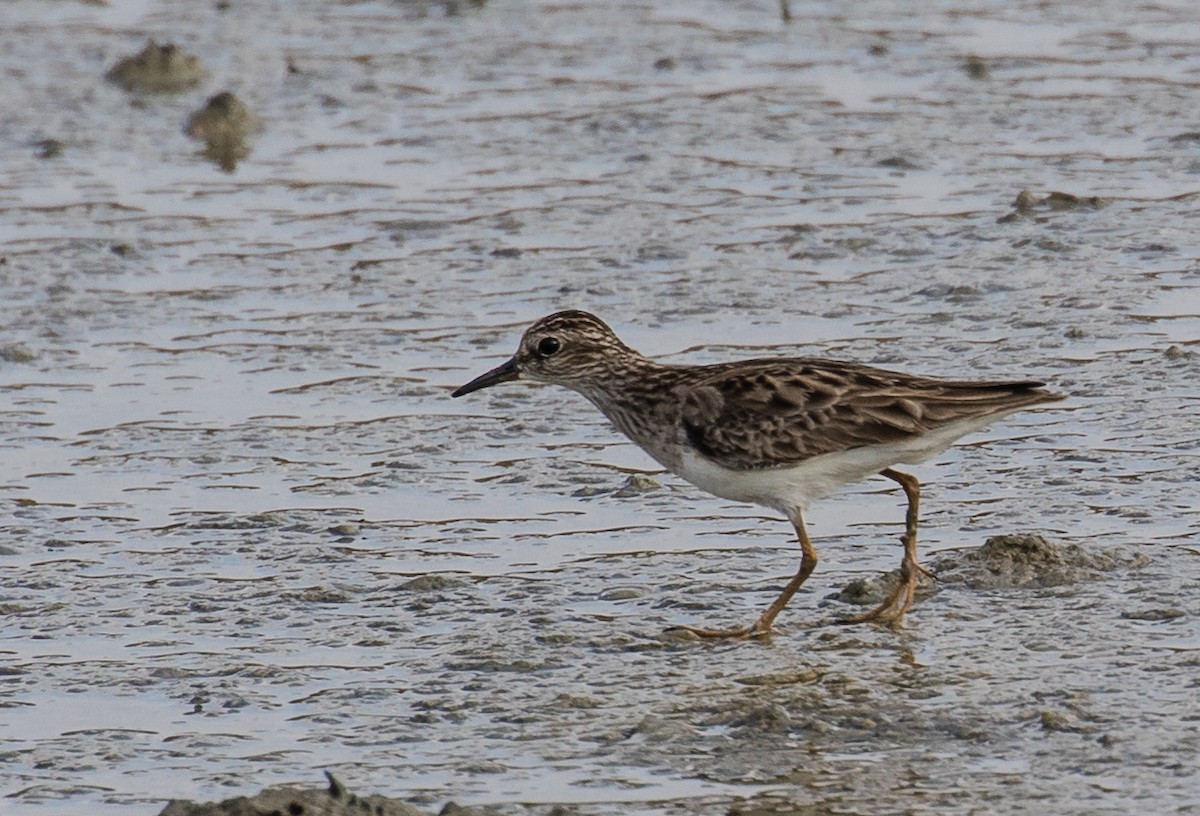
point(876, 615)
point(884, 612)
point(743, 633)
point(891, 611)
point(890, 617)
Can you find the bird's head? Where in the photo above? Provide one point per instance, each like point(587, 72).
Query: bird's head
point(565, 348)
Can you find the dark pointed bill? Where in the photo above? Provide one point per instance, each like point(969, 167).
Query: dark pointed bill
point(502, 373)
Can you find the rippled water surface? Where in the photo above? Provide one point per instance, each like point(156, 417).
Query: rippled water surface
point(247, 535)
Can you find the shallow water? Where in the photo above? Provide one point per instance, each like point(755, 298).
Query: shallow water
point(229, 444)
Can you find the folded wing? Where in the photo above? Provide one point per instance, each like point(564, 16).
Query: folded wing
point(771, 412)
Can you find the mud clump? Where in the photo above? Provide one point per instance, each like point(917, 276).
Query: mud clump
point(1013, 561)
point(636, 485)
point(1155, 615)
point(976, 67)
point(432, 582)
point(49, 148)
point(17, 353)
point(1003, 562)
point(1027, 205)
point(872, 591)
point(334, 800)
point(158, 69)
point(225, 125)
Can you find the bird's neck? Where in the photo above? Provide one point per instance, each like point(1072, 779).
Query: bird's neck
point(621, 377)
point(635, 394)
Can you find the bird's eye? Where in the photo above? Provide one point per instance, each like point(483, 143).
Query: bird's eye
point(548, 346)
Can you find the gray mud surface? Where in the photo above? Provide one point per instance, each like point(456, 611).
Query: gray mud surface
point(247, 537)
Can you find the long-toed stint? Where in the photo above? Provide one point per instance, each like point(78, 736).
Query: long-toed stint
point(778, 432)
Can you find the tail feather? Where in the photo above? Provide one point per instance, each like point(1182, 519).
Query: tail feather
point(963, 400)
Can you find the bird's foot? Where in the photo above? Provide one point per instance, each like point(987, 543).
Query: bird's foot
point(890, 611)
point(757, 630)
point(890, 617)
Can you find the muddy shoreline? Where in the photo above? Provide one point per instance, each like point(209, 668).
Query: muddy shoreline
point(813, 700)
point(249, 538)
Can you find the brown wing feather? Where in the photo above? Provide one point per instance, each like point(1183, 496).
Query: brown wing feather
point(762, 413)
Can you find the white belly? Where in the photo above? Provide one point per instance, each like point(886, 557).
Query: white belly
point(789, 489)
point(785, 488)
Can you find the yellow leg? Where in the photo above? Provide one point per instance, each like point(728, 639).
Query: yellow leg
point(891, 610)
point(762, 626)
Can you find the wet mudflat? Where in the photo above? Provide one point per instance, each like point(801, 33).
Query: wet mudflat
point(248, 537)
